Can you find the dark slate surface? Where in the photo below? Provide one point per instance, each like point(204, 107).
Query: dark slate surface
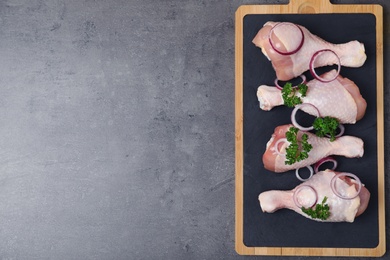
point(117, 128)
point(288, 228)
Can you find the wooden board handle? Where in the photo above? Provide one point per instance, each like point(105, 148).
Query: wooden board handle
point(309, 6)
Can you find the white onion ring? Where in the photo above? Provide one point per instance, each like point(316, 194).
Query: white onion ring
point(312, 68)
point(284, 140)
point(324, 160)
point(342, 130)
point(303, 77)
point(288, 52)
point(299, 176)
point(294, 112)
point(335, 191)
point(301, 188)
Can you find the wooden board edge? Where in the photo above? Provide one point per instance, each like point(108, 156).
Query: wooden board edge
point(239, 145)
point(240, 247)
point(381, 248)
point(310, 7)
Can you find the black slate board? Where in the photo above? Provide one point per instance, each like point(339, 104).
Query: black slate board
point(286, 228)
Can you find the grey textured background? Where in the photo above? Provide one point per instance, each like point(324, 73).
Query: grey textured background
point(117, 128)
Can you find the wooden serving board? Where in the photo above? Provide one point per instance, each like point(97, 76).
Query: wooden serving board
point(285, 232)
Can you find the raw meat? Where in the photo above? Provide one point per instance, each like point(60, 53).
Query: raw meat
point(351, 54)
point(340, 209)
point(348, 146)
point(339, 98)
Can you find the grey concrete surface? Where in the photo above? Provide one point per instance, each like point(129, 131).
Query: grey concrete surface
point(117, 128)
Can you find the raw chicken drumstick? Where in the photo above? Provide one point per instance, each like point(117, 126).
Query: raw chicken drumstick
point(348, 146)
point(314, 190)
point(351, 54)
point(339, 98)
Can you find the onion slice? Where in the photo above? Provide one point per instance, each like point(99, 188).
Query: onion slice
point(299, 176)
point(350, 175)
point(293, 29)
point(294, 120)
point(324, 160)
point(312, 66)
point(276, 146)
point(342, 130)
point(302, 188)
point(303, 77)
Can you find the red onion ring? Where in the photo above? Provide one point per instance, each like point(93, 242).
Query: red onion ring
point(287, 52)
point(303, 77)
point(284, 140)
point(337, 193)
point(342, 130)
point(294, 112)
point(324, 160)
point(299, 176)
point(299, 189)
point(312, 68)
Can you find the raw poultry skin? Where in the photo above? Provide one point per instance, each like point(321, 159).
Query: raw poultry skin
point(341, 210)
point(351, 54)
point(348, 146)
point(339, 98)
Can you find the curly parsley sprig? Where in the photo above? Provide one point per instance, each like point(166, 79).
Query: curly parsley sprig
point(298, 150)
point(292, 95)
point(321, 211)
point(326, 126)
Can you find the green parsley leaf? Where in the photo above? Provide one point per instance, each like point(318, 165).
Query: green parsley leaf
point(292, 95)
point(298, 150)
point(320, 211)
point(302, 89)
point(327, 125)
